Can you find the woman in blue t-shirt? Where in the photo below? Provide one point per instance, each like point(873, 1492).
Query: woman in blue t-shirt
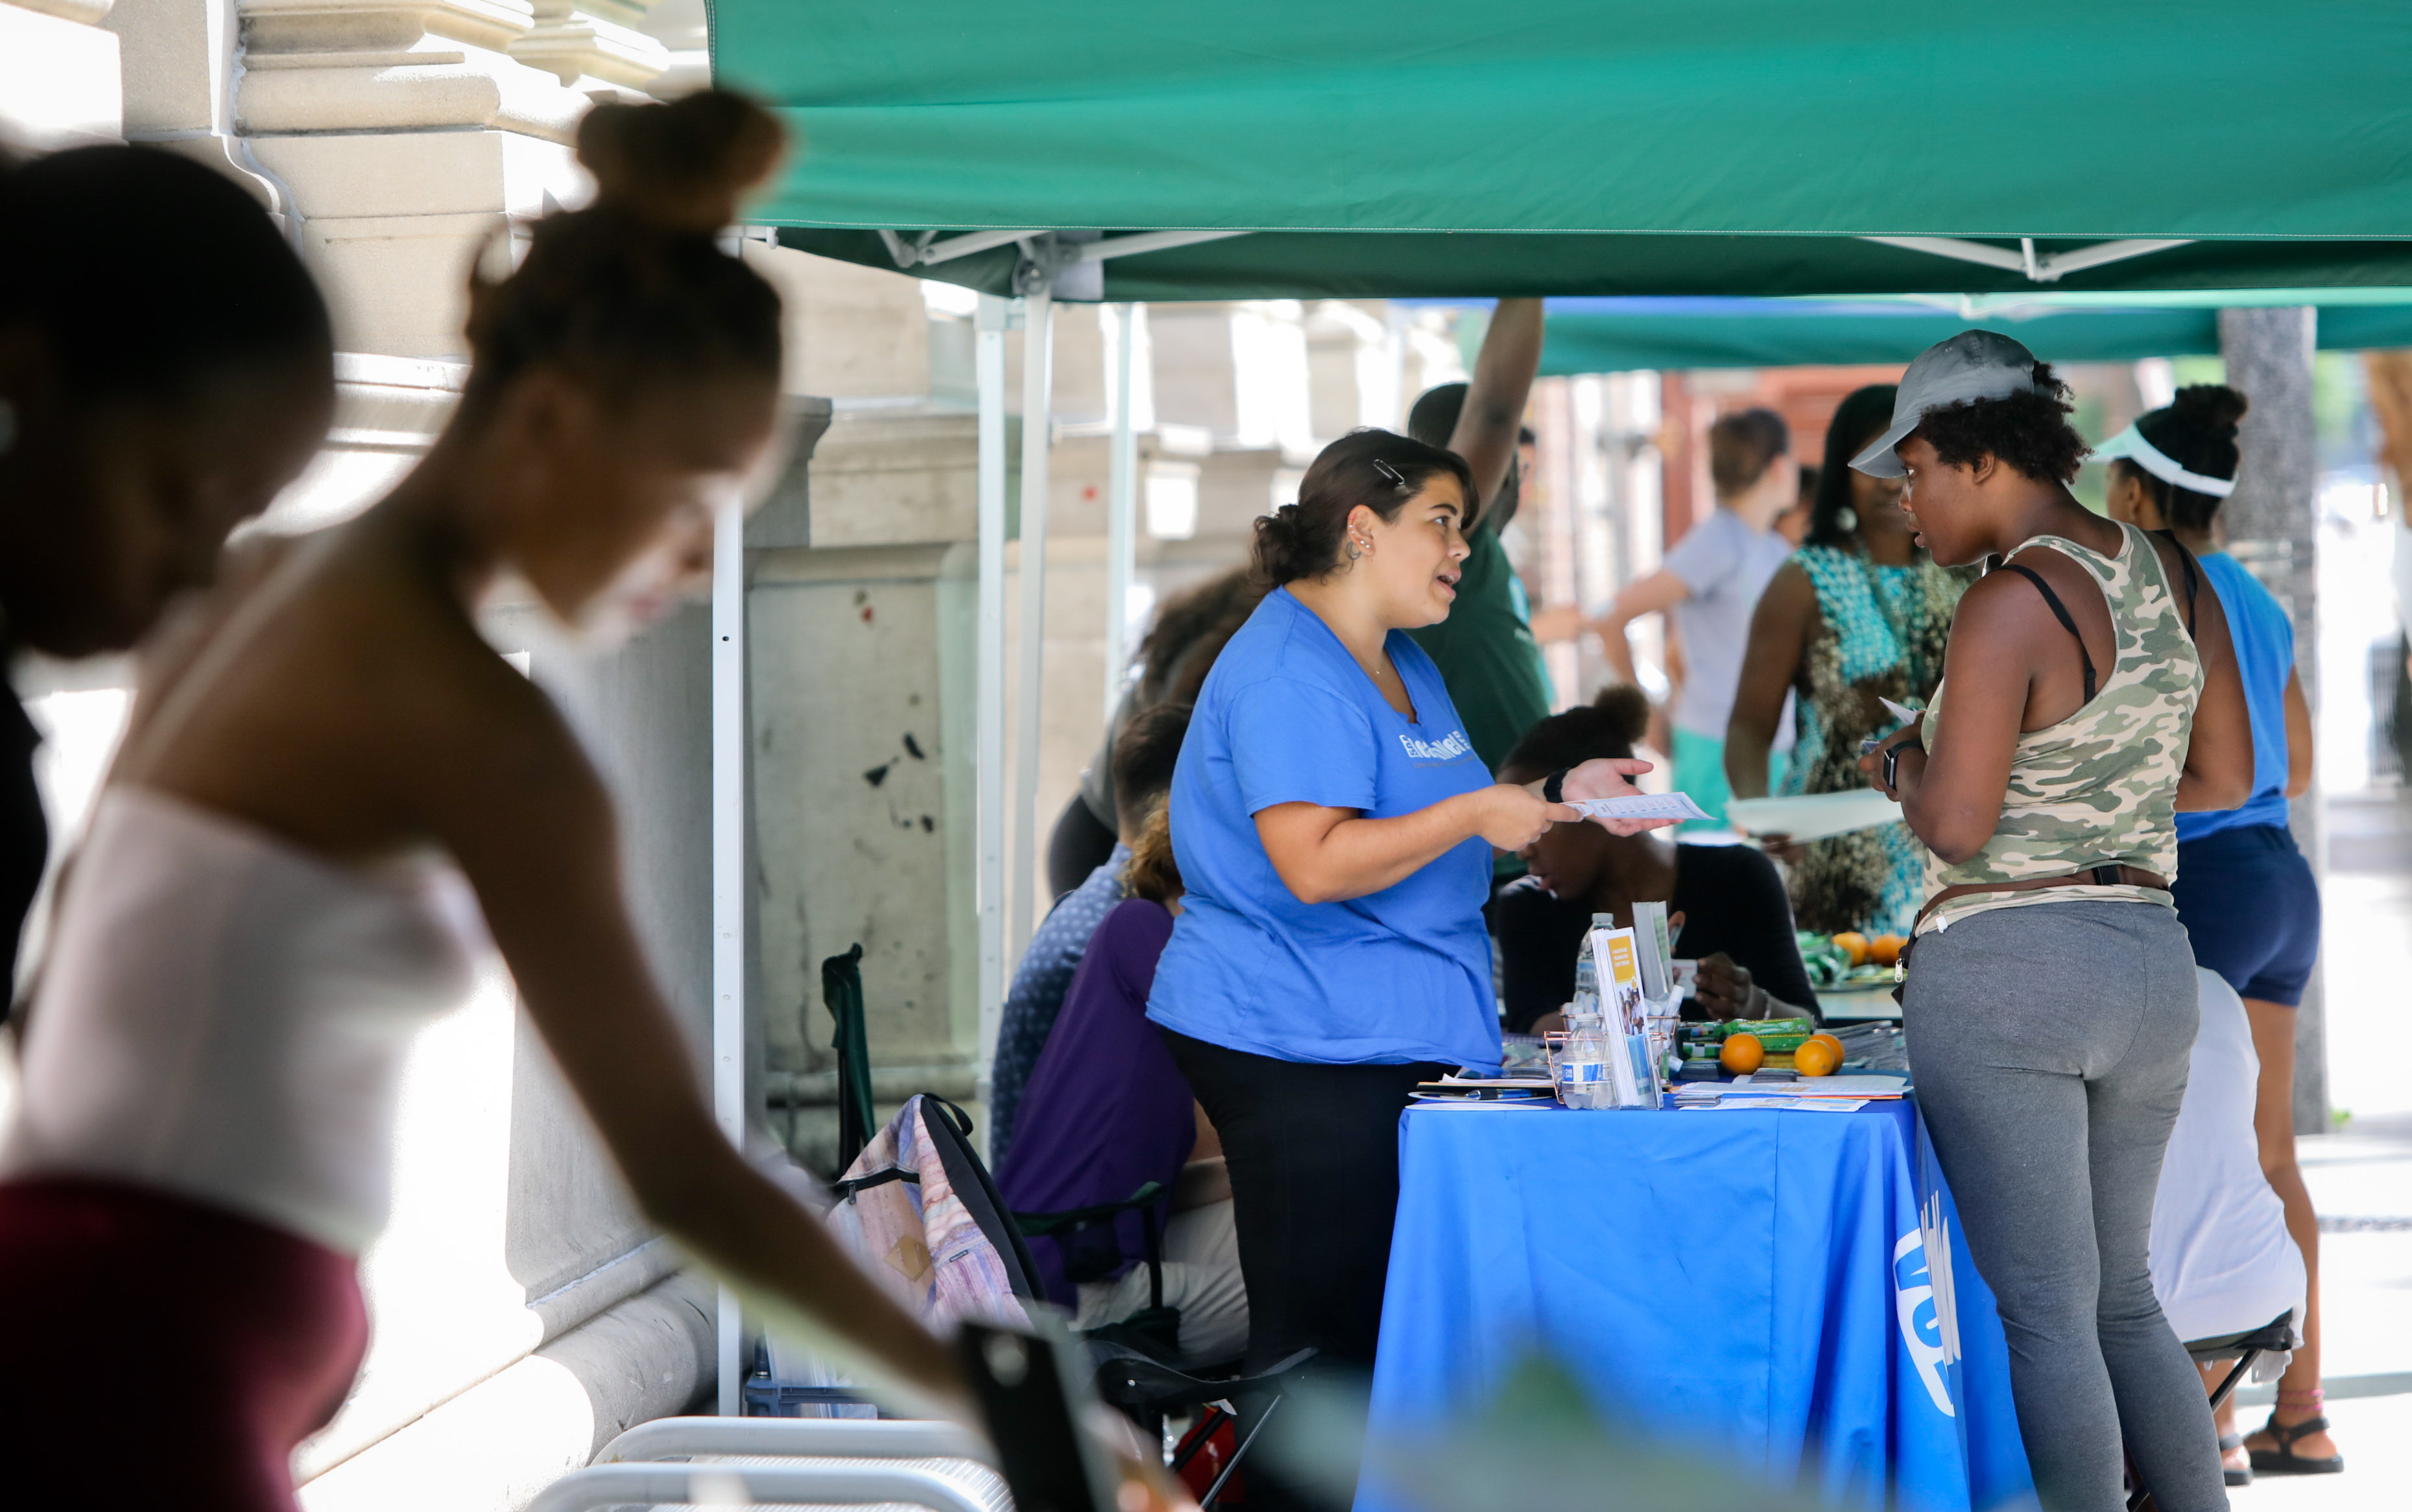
point(2243, 891)
point(1336, 831)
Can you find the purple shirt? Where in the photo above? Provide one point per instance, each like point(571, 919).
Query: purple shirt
point(1105, 1109)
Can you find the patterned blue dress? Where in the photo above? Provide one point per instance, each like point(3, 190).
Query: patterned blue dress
point(1880, 634)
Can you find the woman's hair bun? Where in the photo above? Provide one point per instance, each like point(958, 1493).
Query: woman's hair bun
point(683, 165)
point(1624, 709)
point(2213, 408)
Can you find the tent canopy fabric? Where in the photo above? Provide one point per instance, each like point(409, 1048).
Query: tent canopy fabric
point(1618, 336)
point(1599, 146)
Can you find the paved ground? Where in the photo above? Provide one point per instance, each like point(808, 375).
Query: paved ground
point(2361, 1176)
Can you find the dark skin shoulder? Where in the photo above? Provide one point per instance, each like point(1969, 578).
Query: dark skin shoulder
point(1781, 628)
point(2012, 669)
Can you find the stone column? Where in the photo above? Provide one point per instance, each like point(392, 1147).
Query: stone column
point(58, 75)
point(410, 132)
point(2272, 528)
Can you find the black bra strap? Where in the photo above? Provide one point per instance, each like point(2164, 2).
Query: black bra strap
point(2185, 560)
point(2060, 612)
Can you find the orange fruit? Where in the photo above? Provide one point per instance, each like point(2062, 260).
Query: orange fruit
point(1819, 1055)
point(1885, 950)
point(1743, 1054)
point(1853, 943)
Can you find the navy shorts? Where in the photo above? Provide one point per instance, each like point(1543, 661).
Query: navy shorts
point(2247, 897)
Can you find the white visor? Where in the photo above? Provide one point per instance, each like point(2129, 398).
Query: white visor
point(2130, 443)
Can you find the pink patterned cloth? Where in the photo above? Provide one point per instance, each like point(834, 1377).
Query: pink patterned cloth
point(920, 1239)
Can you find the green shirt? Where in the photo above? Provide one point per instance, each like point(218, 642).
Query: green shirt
point(1486, 652)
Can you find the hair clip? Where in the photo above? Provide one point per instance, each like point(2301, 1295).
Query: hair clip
point(1398, 480)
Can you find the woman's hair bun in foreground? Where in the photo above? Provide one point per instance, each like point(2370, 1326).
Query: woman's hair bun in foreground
point(633, 293)
point(684, 165)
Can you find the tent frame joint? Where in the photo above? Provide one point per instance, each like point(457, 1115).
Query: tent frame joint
point(2038, 267)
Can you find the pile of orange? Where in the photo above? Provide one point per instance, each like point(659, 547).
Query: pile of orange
point(1883, 950)
point(1819, 1055)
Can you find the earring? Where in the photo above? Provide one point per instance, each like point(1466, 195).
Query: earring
point(1846, 519)
point(7, 426)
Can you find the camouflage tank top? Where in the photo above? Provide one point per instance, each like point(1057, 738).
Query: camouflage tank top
point(2100, 785)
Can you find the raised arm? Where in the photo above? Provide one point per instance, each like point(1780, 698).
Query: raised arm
point(1494, 414)
point(1779, 628)
point(532, 826)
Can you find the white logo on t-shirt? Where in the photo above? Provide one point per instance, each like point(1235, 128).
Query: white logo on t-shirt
point(1449, 748)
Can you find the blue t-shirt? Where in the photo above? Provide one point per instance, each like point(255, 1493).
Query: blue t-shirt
point(2265, 654)
point(1287, 716)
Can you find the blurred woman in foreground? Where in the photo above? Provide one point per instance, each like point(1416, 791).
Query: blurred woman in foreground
point(271, 898)
point(140, 422)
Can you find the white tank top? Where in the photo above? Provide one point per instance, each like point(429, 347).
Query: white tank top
point(225, 1017)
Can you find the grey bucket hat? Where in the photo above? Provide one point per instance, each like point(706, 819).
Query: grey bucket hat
point(1975, 364)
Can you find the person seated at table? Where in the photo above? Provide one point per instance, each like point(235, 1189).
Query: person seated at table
point(1726, 904)
point(1107, 1110)
point(2222, 1259)
point(1142, 761)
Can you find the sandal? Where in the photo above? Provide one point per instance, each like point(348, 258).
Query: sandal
point(2284, 1460)
point(2234, 1475)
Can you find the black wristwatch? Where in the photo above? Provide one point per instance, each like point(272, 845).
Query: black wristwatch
point(1892, 765)
point(1553, 786)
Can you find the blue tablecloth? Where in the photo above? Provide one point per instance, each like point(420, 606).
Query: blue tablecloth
point(1755, 1283)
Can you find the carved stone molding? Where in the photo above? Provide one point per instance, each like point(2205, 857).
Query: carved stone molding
point(592, 40)
point(314, 66)
point(90, 12)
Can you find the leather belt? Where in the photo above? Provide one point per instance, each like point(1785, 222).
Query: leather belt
point(2106, 875)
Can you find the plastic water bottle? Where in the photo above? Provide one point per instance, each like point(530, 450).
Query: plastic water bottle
point(1584, 1075)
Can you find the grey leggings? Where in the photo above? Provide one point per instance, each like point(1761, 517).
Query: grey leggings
point(2049, 1044)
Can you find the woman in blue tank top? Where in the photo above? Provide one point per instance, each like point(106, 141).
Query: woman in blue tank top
point(2243, 891)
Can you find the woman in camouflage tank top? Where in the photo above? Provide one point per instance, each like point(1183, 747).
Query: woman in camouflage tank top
point(2088, 691)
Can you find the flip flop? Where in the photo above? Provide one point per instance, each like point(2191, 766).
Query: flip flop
point(2284, 1460)
point(2234, 1475)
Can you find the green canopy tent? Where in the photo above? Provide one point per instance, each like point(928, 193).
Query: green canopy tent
point(1591, 146)
point(1270, 147)
point(1622, 335)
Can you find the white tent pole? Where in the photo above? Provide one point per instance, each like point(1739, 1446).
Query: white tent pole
point(1121, 505)
point(988, 773)
point(729, 879)
point(1037, 376)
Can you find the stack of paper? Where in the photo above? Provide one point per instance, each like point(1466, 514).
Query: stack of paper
point(1874, 1085)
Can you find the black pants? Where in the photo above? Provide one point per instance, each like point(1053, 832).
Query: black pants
point(1313, 1155)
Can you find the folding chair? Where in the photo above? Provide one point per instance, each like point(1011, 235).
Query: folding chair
point(2277, 1336)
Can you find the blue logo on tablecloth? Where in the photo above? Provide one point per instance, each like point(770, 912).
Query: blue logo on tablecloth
point(1923, 1300)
